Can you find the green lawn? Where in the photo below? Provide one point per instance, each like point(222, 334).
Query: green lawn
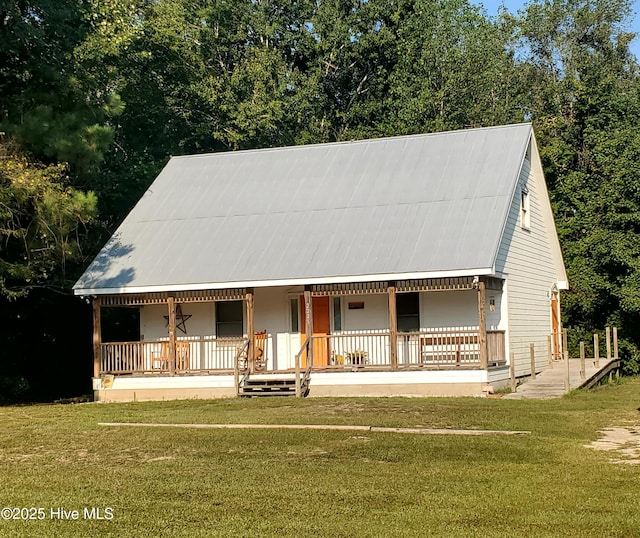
point(208, 482)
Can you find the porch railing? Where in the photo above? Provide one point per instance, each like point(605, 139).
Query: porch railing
point(436, 349)
point(240, 371)
point(192, 355)
point(302, 381)
point(352, 349)
point(439, 349)
point(370, 350)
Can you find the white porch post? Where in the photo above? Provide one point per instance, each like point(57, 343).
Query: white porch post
point(393, 326)
point(171, 305)
point(250, 330)
point(482, 325)
point(308, 314)
point(97, 337)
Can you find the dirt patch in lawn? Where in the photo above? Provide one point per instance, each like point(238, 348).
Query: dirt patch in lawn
point(622, 441)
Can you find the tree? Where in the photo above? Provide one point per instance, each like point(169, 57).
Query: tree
point(398, 67)
point(584, 102)
point(49, 107)
point(42, 221)
point(55, 125)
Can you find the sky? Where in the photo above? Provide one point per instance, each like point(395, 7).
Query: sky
point(514, 5)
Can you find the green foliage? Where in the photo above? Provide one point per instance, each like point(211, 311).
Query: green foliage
point(63, 135)
point(41, 222)
point(418, 70)
point(584, 103)
point(52, 105)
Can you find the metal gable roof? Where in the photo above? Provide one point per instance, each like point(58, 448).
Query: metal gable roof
point(422, 204)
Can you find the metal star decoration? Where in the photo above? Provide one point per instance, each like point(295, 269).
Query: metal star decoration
point(181, 319)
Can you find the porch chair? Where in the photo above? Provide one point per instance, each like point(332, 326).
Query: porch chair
point(182, 357)
point(259, 345)
point(260, 357)
point(161, 361)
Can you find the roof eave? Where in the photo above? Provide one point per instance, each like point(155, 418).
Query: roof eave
point(483, 271)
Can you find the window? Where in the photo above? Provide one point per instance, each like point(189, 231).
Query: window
point(525, 209)
point(337, 314)
point(408, 312)
point(295, 323)
point(229, 318)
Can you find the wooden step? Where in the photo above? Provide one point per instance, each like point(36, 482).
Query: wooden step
point(268, 387)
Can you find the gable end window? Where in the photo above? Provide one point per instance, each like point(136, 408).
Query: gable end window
point(525, 209)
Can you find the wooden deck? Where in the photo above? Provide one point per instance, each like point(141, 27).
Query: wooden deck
point(551, 383)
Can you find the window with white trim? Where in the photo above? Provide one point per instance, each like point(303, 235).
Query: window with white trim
point(229, 318)
point(336, 305)
point(294, 308)
point(408, 312)
point(525, 209)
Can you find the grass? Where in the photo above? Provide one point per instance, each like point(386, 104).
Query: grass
point(196, 482)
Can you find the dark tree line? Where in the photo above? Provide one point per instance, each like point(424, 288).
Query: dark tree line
point(95, 95)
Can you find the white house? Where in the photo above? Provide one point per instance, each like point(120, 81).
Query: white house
point(412, 265)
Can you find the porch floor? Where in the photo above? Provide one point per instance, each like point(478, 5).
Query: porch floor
point(316, 369)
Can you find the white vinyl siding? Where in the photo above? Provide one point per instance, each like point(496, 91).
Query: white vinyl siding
point(153, 323)
point(525, 257)
point(373, 317)
point(450, 311)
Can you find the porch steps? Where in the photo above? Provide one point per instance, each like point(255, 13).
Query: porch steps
point(269, 385)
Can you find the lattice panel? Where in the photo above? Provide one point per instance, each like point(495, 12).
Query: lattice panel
point(435, 284)
point(198, 296)
point(355, 288)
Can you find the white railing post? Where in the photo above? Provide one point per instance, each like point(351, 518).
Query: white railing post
point(393, 327)
point(236, 374)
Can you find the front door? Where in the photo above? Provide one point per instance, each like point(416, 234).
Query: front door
point(321, 329)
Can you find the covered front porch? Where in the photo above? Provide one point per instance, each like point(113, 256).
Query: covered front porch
point(452, 324)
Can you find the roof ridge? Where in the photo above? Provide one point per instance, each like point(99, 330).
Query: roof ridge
point(351, 142)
